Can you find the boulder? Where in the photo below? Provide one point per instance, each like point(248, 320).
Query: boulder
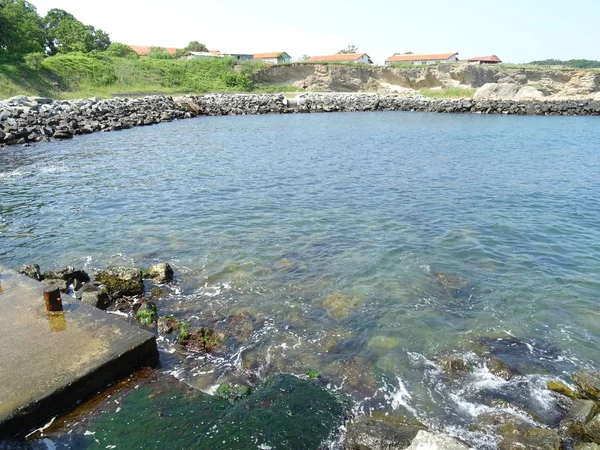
point(381, 433)
point(161, 273)
point(591, 430)
point(32, 271)
point(167, 325)
point(528, 93)
point(203, 340)
point(587, 446)
point(588, 384)
point(517, 434)
point(121, 281)
point(580, 413)
point(497, 91)
point(146, 313)
point(426, 440)
point(98, 298)
point(561, 388)
point(500, 368)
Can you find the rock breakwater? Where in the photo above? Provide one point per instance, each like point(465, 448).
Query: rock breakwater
point(32, 119)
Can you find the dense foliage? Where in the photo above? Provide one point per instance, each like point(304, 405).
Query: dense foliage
point(574, 63)
point(23, 31)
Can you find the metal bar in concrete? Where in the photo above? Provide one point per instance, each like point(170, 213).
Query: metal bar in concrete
point(49, 362)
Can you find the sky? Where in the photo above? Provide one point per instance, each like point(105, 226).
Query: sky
point(517, 31)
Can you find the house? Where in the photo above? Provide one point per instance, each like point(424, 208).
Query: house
point(343, 57)
point(274, 57)
point(492, 59)
point(436, 58)
point(240, 56)
point(203, 55)
point(143, 50)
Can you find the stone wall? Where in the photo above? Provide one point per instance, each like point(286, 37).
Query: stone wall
point(29, 119)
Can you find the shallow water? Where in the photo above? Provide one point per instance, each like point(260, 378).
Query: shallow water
point(329, 232)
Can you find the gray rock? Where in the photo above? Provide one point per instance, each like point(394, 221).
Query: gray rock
point(426, 440)
point(587, 446)
point(61, 284)
point(580, 413)
point(588, 384)
point(500, 368)
point(87, 287)
point(161, 273)
point(32, 271)
point(98, 298)
point(381, 433)
point(592, 429)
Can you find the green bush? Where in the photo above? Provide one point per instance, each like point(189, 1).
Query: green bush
point(252, 66)
point(118, 50)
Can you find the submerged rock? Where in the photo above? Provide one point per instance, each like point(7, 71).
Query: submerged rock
point(161, 273)
point(520, 435)
point(426, 440)
point(121, 281)
point(588, 384)
point(381, 433)
point(500, 368)
point(452, 282)
point(32, 271)
point(453, 364)
point(338, 305)
point(233, 392)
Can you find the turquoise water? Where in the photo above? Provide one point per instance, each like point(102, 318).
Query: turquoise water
point(327, 232)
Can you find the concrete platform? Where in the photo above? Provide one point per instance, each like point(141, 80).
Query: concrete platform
point(49, 363)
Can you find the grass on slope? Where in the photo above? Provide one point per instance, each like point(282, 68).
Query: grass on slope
point(76, 75)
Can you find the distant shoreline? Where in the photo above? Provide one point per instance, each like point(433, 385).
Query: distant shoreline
point(26, 120)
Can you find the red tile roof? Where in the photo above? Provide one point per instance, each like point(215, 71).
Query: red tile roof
point(144, 50)
point(491, 58)
point(215, 52)
point(268, 55)
point(338, 57)
point(431, 57)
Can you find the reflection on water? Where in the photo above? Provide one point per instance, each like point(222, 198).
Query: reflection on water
point(57, 321)
point(365, 248)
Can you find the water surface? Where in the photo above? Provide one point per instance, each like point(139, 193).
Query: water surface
point(324, 237)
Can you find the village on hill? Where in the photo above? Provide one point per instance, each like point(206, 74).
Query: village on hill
point(341, 57)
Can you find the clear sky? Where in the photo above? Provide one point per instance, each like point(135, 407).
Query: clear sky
point(515, 30)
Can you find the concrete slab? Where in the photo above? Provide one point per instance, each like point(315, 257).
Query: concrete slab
point(51, 362)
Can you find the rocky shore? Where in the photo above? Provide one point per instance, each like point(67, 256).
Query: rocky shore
point(26, 120)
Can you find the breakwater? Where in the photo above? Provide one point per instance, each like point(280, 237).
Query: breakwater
point(32, 119)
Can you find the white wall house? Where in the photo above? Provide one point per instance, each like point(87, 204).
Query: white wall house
point(343, 57)
point(419, 60)
point(274, 57)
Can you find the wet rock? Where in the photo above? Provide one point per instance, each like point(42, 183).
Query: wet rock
point(69, 274)
point(167, 325)
point(500, 368)
point(516, 434)
point(203, 340)
point(97, 297)
point(588, 384)
point(57, 283)
point(32, 271)
point(591, 430)
point(587, 446)
point(338, 305)
point(156, 292)
point(381, 433)
point(161, 273)
point(120, 281)
point(359, 377)
point(581, 412)
point(426, 440)
point(453, 364)
point(561, 388)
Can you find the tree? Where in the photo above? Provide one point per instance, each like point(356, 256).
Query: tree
point(21, 28)
point(408, 53)
point(348, 50)
point(66, 34)
point(121, 51)
point(159, 53)
point(304, 58)
point(195, 46)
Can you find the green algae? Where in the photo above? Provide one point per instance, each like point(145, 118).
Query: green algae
point(286, 412)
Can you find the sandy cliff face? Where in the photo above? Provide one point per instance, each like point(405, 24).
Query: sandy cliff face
point(495, 82)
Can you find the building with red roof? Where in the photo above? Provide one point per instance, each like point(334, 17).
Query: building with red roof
point(423, 59)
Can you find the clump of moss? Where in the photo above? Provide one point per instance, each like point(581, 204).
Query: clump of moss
point(204, 340)
point(145, 273)
point(184, 332)
point(312, 375)
point(146, 317)
point(232, 392)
